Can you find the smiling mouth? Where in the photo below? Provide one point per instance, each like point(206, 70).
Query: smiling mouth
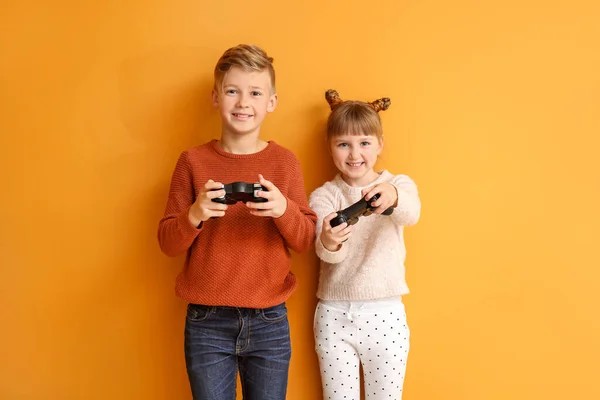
point(242, 116)
point(355, 165)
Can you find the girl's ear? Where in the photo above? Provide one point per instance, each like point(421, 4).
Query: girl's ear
point(380, 145)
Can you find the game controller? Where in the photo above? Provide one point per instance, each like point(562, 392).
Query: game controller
point(359, 209)
point(241, 191)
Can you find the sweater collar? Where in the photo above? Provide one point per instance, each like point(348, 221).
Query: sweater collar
point(264, 152)
point(384, 176)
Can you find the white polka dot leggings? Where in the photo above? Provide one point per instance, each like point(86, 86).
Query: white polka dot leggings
point(373, 333)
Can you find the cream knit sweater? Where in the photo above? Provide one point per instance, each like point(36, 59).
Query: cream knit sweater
point(370, 264)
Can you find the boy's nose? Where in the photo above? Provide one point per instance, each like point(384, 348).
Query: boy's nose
point(242, 101)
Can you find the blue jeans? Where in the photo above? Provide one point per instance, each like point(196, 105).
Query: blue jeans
point(219, 341)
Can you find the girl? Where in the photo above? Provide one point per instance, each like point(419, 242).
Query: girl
point(360, 318)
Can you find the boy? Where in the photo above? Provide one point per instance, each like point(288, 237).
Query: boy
point(236, 275)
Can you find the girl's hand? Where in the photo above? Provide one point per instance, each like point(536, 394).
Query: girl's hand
point(388, 196)
point(204, 208)
point(332, 238)
point(275, 206)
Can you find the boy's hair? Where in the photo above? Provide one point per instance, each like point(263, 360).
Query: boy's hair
point(354, 117)
point(249, 58)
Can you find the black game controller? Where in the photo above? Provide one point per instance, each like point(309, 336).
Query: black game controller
point(241, 191)
point(358, 209)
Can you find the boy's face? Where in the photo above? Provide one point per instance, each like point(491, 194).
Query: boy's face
point(355, 156)
point(243, 100)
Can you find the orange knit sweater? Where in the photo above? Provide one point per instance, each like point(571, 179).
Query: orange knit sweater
point(237, 260)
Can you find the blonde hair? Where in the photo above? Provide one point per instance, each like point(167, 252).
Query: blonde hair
point(353, 117)
point(249, 58)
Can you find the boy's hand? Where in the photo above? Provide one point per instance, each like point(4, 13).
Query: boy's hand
point(332, 238)
point(276, 205)
point(388, 196)
point(204, 208)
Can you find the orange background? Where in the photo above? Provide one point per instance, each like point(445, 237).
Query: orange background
point(495, 114)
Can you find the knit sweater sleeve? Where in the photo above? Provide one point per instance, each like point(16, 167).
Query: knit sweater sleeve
point(297, 224)
point(408, 210)
point(175, 232)
point(322, 201)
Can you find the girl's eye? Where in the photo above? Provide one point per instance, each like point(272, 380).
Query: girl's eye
point(256, 94)
point(343, 145)
point(365, 143)
point(231, 91)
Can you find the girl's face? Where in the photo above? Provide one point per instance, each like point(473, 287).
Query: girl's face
point(355, 156)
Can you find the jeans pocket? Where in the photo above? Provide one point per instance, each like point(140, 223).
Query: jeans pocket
point(274, 314)
point(198, 312)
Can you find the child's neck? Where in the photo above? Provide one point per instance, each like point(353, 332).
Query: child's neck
point(363, 181)
point(249, 144)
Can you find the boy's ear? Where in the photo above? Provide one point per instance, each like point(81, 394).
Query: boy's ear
point(272, 103)
point(215, 98)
